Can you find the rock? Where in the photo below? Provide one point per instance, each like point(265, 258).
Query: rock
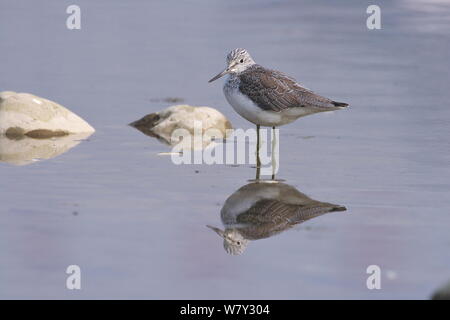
point(26, 150)
point(443, 293)
point(162, 124)
point(27, 115)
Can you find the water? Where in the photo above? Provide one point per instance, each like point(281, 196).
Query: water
point(136, 224)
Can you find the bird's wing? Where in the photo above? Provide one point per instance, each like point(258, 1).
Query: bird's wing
point(274, 91)
point(268, 217)
point(279, 213)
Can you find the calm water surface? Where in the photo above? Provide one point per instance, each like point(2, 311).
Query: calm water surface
point(136, 224)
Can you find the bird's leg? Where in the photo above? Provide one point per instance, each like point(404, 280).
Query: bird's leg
point(258, 160)
point(273, 150)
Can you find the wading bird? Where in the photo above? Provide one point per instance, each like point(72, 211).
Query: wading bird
point(267, 97)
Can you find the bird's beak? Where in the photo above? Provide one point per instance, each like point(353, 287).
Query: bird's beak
point(218, 231)
point(224, 72)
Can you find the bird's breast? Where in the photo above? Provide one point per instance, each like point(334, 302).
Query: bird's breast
point(246, 108)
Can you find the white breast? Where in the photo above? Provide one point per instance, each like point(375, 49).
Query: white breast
point(247, 108)
point(250, 111)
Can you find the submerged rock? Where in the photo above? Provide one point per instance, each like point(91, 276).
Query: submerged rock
point(208, 121)
point(27, 115)
point(27, 150)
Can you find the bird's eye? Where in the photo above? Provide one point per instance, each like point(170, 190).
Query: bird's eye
point(241, 61)
point(238, 243)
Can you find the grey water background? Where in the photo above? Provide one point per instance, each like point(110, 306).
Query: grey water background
point(135, 223)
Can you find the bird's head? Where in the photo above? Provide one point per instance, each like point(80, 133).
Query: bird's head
point(233, 241)
point(237, 61)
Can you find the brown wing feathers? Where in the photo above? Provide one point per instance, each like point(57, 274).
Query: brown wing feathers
point(274, 91)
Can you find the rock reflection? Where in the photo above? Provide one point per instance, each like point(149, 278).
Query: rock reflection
point(263, 209)
point(25, 150)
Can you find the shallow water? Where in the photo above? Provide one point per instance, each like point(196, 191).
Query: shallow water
point(136, 224)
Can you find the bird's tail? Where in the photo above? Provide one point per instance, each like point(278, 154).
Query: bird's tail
point(339, 104)
point(338, 208)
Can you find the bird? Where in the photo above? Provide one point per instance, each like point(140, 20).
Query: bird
point(268, 97)
point(263, 209)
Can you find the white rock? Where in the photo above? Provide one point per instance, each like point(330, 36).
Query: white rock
point(24, 114)
point(162, 124)
point(27, 150)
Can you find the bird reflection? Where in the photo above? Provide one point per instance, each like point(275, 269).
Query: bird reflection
point(263, 209)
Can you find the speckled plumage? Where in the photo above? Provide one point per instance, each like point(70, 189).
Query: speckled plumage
point(274, 91)
point(268, 97)
point(272, 208)
point(260, 210)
